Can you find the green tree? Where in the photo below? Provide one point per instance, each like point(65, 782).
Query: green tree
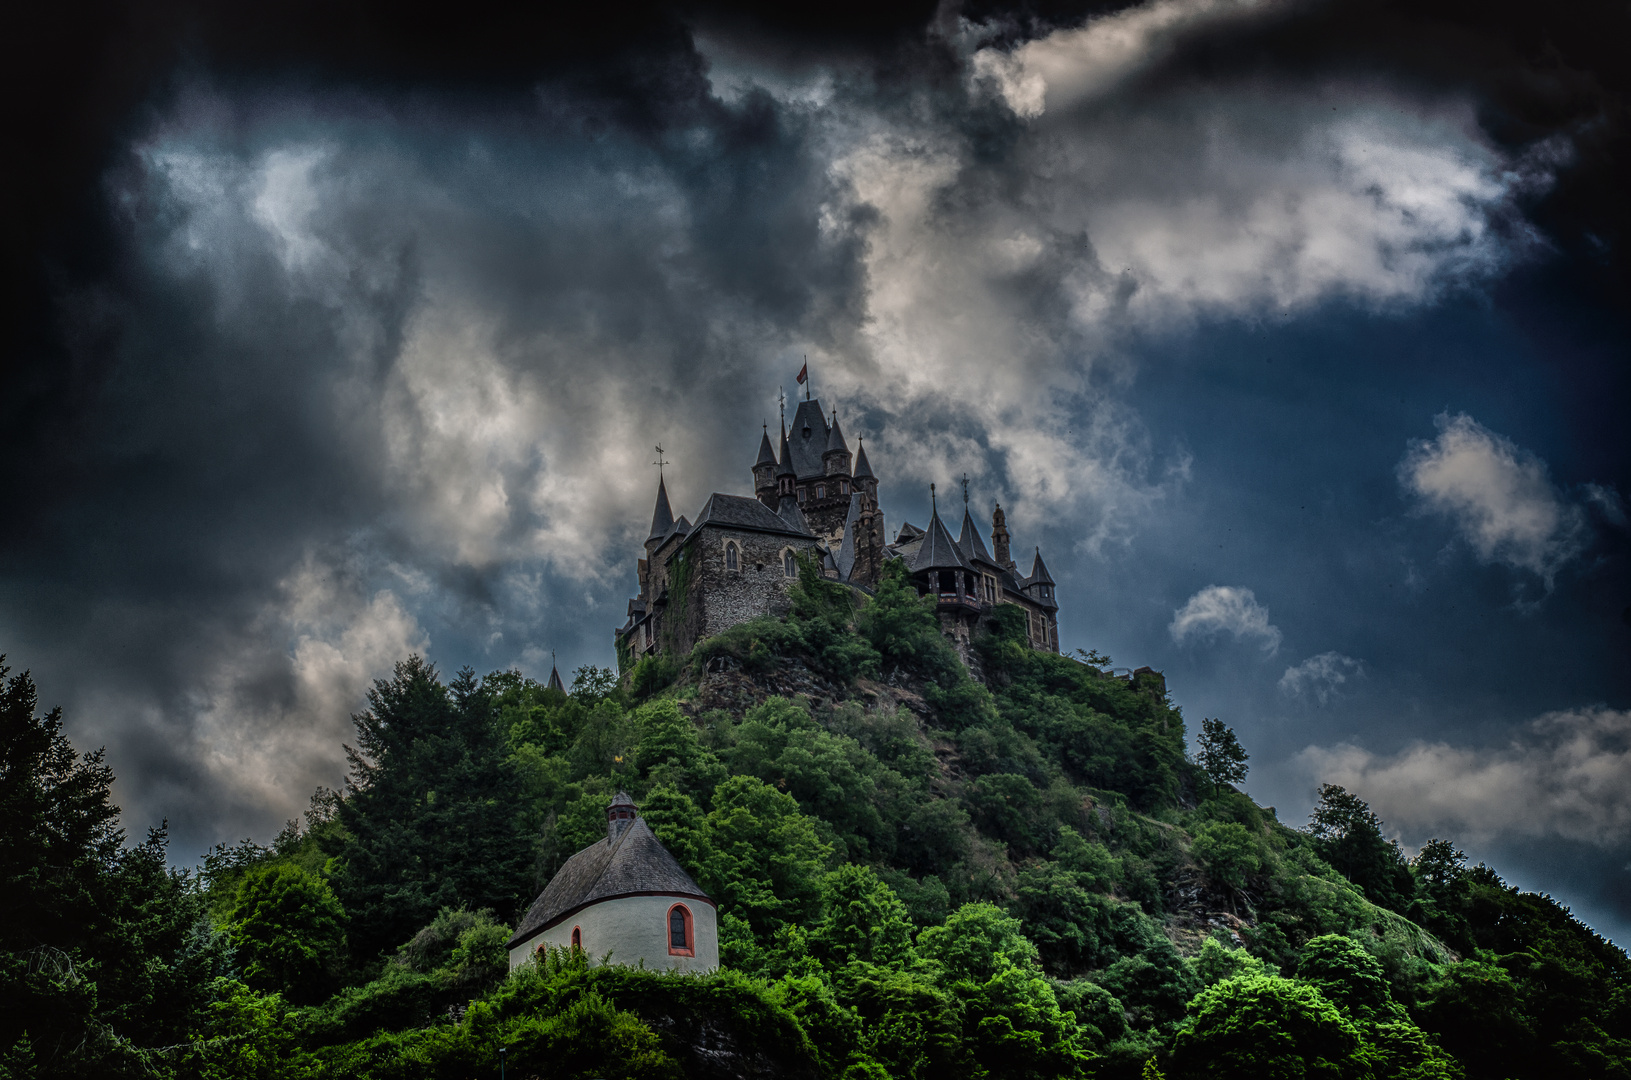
point(1221, 756)
point(1348, 835)
point(978, 940)
point(764, 857)
point(430, 818)
point(1228, 851)
point(1267, 1028)
point(861, 919)
point(289, 930)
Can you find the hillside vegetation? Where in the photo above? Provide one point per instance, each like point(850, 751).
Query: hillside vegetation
point(919, 875)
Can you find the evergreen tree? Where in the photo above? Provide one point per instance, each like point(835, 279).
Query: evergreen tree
point(431, 811)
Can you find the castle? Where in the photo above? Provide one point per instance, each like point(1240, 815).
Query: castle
point(736, 560)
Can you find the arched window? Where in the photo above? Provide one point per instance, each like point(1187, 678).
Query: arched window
point(730, 557)
point(577, 937)
point(790, 565)
point(681, 932)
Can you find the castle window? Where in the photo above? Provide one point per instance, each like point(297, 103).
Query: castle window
point(577, 937)
point(803, 493)
point(730, 557)
point(821, 491)
point(681, 932)
point(790, 565)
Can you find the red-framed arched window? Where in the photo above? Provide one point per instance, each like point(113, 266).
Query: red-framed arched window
point(682, 939)
point(577, 937)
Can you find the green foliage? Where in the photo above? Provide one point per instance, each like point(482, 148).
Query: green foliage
point(1268, 1028)
point(289, 931)
point(1228, 851)
point(1348, 835)
point(1220, 755)
point(1031, 833)
point(861, 919)
point(977, 941)
point(765, 859)
point(430, 812)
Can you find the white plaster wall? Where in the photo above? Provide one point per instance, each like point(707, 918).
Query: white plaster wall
point(632, 929)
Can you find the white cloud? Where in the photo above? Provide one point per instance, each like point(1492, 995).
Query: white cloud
point(265, 750)
point(1320, 675)
point(1499, 496)
point(1224, 609)
point(1568, 775)
point(1070, 65)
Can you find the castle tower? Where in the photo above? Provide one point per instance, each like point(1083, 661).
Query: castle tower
point(835, 459)
point(865, 482)
point(764, 471)
point(999, 538)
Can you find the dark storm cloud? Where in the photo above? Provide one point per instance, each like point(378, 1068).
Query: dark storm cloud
point(352, 334)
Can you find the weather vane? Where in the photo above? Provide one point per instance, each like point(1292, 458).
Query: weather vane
point(660, 463)
point(932, 502)
point(965, 489)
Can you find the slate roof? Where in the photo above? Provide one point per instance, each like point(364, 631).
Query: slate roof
point(835, 438)
point(807, 449)
point(742, 512)
point(862, 467)
point(634, 864)
point(662, 521)
point(555, 679)
point(938, 551)
point(786, 466)
point(970, 543)
point(767, 455)
point(1039, 572)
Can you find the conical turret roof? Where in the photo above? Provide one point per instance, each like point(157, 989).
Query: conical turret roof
point(969, 543)
point(863, 469)
point(835, 437)
point(1039, 571)
point(786, 466)
point(938, 551)
point(555, 679)
point(767, 453)
point(662, 520)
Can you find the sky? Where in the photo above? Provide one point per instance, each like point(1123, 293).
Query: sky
point(1294, 334)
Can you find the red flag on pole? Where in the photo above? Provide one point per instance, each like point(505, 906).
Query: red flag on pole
point(804, 373)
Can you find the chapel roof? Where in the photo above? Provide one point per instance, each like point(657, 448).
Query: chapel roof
point(634, 863)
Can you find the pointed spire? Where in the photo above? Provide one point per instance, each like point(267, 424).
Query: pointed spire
point(555, 676)
point(835, 437)
point(767, 454)
point(969, 542)
point(786, 466)
point(1039, 571)
point(862, 468)
point(662, 521)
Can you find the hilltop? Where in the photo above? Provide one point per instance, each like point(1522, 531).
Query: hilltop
point(920, 873)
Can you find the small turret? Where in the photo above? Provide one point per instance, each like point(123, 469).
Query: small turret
point(835, 459)
point(999, 538)
point(764, 471)
point(620, 814)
